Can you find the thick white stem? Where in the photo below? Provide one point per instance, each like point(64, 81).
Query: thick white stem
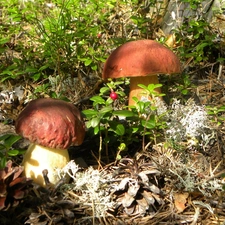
point(38, 158)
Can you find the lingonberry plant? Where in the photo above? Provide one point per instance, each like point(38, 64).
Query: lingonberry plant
point(116, 125)
point(113, 95)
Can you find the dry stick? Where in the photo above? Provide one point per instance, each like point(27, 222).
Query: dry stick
point(143, 139)
point(195, 219)
point(218, 146)
point(47, 216)
point(220, 71)
point(93, 212)
point(107, 149)
point(100, 152)
point(216, 166)
point(210, 178)
point(97, 159)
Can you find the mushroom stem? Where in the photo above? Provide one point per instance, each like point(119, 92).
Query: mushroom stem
point(38, 158)
point(136, 91)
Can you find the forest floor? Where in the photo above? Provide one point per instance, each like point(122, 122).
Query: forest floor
point(187, 186)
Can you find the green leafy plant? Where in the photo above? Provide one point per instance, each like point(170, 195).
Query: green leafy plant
point(61, 39)
point(104, 121)
point(122, 127)
point(216, 114)
point(201, 44)
point(6, 148)
point(147, 17)
point(151, 112)
point(195, 37)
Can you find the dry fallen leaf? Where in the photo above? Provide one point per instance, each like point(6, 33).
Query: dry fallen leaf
point(127, 200)
point(180, 200)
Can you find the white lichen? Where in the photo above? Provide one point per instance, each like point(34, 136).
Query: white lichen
point(94, 186)
point(187, 121)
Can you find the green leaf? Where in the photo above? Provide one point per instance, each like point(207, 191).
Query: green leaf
point(153, 108)
point(3, 162)
point(105, 110)
point(106, 139)
point(184, 91)
point(142, 86)
point(152, 87)
point(121, 93)
point(87, 62)
point(124, 113)
point(221, 109)
point(135, 130)
point(88, 124)
point(96, 130)
point(44, 67)
point(100, 59)
point(149, 124)
point(119, 129)
point(135, 99)
point(2, 147)
point(94, 67)
point(22, 152)
point(157, 85)
point(118, 157)
point(122, 147)
point(13, 152)
point(30, 70)
point(201, 46)
point(98, 99)
point(89, 113)
point(36, 76)
point(109, 101)
point(104, 90)
point(95, 122)
point(4, 137)
point(4, 41)
point(7, 72)
point(12, 139)
point(141, 107)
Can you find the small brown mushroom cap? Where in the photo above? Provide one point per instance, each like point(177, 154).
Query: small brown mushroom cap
point(51, 123)
point(141, 58)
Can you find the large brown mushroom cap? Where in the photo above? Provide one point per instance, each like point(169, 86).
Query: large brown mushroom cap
point(141, 58)
point(51, 123)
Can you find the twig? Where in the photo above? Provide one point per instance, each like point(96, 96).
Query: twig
point(210, 178)
point(93, 212)
point(97, 159)
point(220, 71)
point(195, 218)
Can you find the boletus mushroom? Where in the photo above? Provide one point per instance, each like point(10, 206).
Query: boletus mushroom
point(142, 61)
point(51, 125)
